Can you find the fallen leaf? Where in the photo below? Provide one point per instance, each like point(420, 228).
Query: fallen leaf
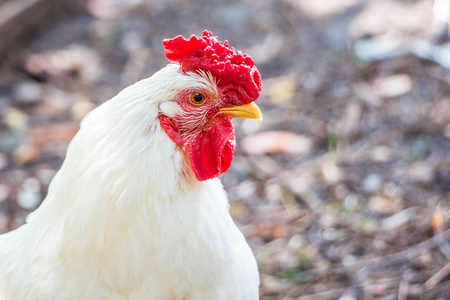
point(380, 153)
point(15, 119)
point(392, 86)
point(438, 221)
point(103, 9)
point(399, 219)
point(279, 232)
point(384, 205)
point(82, 107)
point(323, 8)
point(237, 209)
point(420, 172)
point(25, 154)
point(277, 142)
point(283, 90)
point(331, 172)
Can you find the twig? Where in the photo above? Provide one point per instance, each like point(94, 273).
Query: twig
point(436, 278)
point(330, 294)
point(441, 291)
point(403, 290)
point(400, 257)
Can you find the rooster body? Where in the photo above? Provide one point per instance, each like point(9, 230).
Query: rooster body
point(126, 216)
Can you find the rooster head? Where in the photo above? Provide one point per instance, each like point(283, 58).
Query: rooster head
point(199, 118)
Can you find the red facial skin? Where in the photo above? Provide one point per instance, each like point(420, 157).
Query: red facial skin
point(207, 138)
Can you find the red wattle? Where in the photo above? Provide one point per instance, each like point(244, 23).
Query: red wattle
point(211, 151)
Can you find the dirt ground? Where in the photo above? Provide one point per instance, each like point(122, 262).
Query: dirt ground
point(342, 191)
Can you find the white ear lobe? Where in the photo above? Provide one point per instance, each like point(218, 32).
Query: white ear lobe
point(170, 108)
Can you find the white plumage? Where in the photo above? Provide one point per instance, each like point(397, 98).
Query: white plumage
point(125, 217)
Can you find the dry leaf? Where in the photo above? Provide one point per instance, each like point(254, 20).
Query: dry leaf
point(392, 86)
point(420, 172)
point(237, 209)
point(283, 90)
point(438, 221)
point(279, 232)
point(384, 205)
point(81, 107)
point(277, 142)
point(15, 119)
point(331, 172)
point(26, 154)
point(323, 8)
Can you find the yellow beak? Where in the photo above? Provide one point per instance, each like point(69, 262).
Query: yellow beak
point(250, 111)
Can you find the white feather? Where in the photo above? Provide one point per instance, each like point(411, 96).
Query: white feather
point(125, 218)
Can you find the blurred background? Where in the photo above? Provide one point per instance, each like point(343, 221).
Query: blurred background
point(342, 191)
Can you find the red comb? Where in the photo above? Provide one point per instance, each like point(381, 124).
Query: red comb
point(237, 77)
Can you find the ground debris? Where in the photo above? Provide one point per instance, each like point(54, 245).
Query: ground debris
point(342, 191)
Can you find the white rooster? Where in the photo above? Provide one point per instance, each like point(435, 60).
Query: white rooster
point(136, 210)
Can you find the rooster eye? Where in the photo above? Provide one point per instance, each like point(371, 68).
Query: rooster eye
point(197, 98)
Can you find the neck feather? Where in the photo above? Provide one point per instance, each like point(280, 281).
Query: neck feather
point(121, 168)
